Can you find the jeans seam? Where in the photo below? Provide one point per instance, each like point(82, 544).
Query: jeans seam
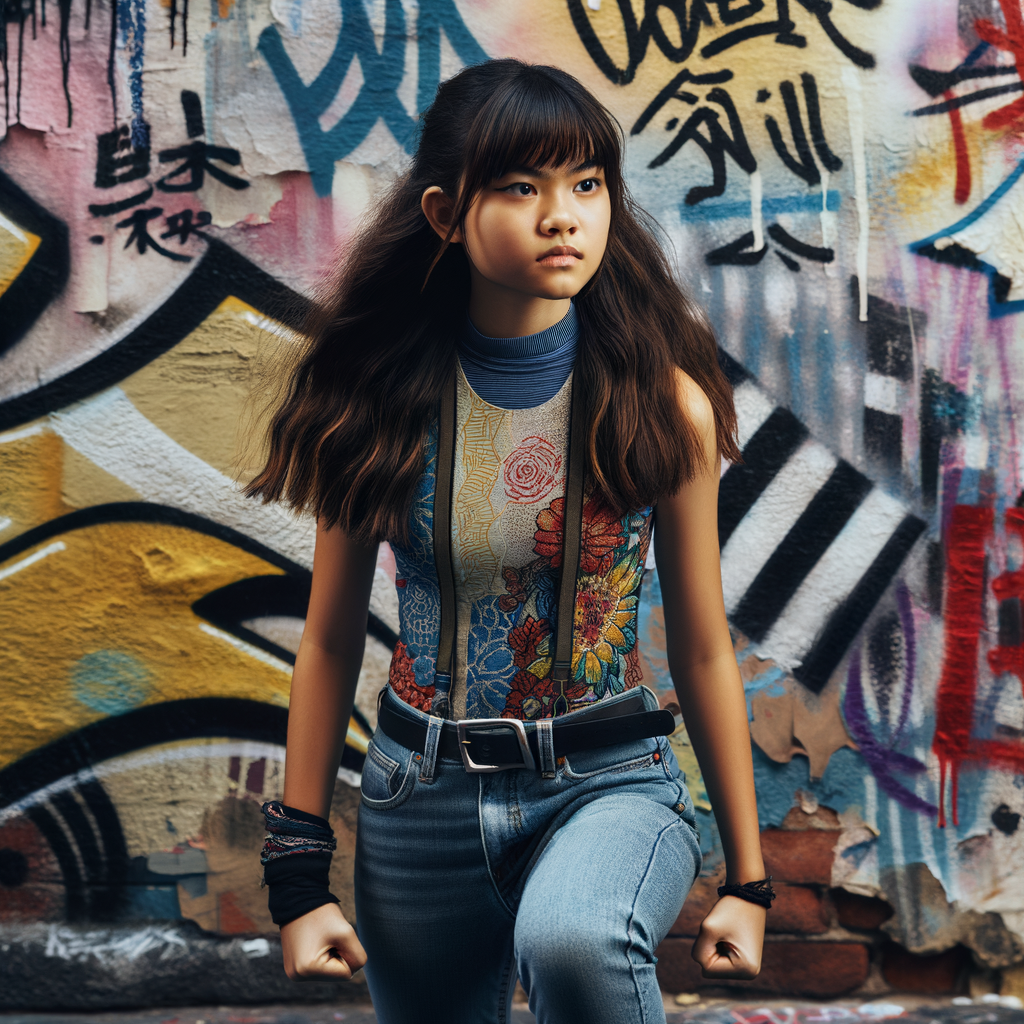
point(483, 846)
point(632, 915)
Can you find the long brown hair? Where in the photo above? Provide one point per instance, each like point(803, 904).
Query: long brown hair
point(347, 442)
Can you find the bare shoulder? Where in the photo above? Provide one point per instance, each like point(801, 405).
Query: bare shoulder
point(696, 406)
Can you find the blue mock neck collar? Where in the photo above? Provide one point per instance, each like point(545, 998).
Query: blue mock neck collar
point(529, 346)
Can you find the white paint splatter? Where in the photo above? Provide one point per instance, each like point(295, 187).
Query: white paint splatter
point(249, 649)
point(855, 112)
point(42, 553)
point(18, 435)
point(110, 947)
point(756, 219)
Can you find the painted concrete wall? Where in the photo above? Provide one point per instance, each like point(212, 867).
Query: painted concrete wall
point(840, 183)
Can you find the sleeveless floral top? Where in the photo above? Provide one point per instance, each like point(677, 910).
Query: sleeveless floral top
point(507, 510)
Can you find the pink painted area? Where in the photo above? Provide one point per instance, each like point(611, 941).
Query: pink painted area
point(386, 560)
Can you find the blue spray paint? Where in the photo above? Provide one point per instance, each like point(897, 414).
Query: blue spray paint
point(382, 75)
point(132, 22)
point(111, 682)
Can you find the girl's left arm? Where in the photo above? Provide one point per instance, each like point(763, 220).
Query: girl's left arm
point(710, 692)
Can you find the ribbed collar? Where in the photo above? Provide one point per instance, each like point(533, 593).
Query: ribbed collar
point(485, 349)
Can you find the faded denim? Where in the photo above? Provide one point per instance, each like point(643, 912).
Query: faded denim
point(464, 880)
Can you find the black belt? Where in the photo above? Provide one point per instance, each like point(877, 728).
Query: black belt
point(492, 744)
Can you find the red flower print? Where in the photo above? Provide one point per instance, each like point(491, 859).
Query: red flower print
point(403, 681)
point(602, 534)
point(526, 699)
point(549, 532)
point(524, 640)
point(531, 470)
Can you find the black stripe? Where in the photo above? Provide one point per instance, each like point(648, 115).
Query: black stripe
point(765, 454)
point(219, 273)
point(144, 512)
point(43, 278)
point(85, 839)
point(808, 539)
point(108, 898)
point(845, 622)
point(221, 717)
point(74, 892)
point(732, 369)
point(115, 849)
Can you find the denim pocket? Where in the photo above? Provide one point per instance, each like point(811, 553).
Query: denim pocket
point(386, 782)
point(623, 757)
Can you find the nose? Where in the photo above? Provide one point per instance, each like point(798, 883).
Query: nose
point(557, 219)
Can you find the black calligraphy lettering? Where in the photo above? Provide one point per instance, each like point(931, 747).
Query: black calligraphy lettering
point(733, 253)
point(142, 239)
point(117, 161)
point(182, 225)
point(672, 92)
point(716, 144)
point(109, 209)
point(802, 164)
point(808, 252)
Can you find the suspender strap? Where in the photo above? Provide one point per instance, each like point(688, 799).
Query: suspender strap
point(443, 479)
point(572, 528)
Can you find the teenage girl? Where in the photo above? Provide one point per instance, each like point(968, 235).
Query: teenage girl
point(508, 386)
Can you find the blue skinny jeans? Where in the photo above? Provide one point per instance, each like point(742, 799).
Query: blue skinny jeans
point(463, 881)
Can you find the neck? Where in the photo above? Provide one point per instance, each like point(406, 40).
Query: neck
point(499, 312)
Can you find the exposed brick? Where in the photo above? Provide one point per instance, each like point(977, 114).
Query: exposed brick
point(856, 911)
point(703, 896)
point(803, 857)
point(819, 969)
point(823, 818)
point(931, 972)
point(797, 909)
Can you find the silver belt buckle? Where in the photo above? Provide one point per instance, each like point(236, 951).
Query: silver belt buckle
point(464, 725)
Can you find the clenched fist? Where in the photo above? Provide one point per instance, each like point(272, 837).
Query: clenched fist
point(321, 944)
point(730, 940)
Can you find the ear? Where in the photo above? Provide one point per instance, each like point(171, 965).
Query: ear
point(437, 208)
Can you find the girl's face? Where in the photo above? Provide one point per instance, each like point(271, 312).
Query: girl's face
point(537, 231)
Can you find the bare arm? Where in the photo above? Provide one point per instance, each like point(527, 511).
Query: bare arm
point(322, 944)
point(707, 680)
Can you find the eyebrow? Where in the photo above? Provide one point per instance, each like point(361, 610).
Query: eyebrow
point(536, 172)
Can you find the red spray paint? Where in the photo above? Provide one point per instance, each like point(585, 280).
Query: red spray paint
point(965, 565)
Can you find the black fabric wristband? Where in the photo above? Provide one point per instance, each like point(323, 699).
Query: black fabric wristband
point(298, 884)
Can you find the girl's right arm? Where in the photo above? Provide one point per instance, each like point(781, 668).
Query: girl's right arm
point(322, 944)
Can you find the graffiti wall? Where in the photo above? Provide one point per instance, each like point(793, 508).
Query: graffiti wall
point(839, 183)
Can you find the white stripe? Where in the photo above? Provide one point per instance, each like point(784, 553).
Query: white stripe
point(753, 407)
point(4, 523)
point(763, 528)
point(855, 113)
point(831, 580)
point(883, 393)
point(17, 435)
point(9, 225)
point(756, 219)
point(112, 433)
point(252, 651)
point(50, 549)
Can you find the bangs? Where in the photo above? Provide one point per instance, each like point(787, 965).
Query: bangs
point(539, 120)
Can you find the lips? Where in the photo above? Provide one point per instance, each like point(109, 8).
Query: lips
point(561, 250)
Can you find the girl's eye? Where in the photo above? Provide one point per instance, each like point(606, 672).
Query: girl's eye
point(589, 185)
point(519, 188)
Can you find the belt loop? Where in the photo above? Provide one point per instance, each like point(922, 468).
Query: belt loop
point(546, 747)
point(434, 727)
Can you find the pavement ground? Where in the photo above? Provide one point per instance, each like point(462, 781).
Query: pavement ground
point(902, 1009)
